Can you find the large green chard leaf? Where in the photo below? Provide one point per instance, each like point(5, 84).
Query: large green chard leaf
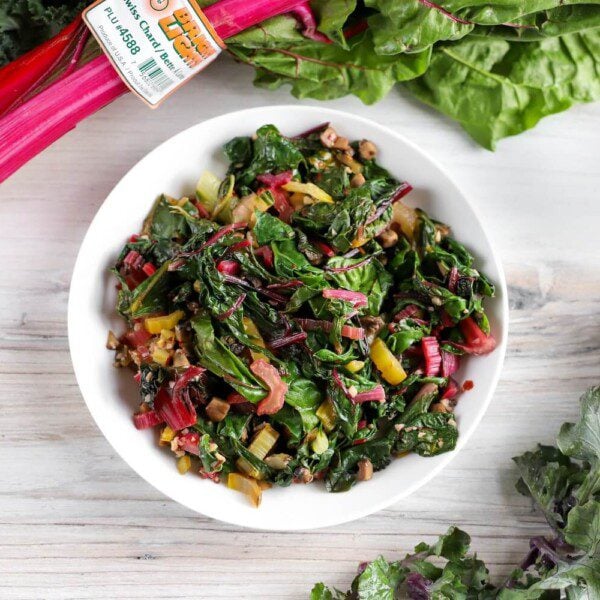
point(494, 89)
point(322, 71)
point(580, 579)
point(25, 23)
point(508, 11)
point(570, 66)
point(413, 25)
point(570, 19)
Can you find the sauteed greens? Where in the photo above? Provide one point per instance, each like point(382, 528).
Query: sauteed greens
point(296, 320)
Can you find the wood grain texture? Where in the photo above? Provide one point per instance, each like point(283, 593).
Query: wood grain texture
point(76, 522)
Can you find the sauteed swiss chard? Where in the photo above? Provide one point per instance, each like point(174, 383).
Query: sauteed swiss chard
point(296, 320)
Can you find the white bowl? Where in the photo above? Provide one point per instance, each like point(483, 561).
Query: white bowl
point(111, 394)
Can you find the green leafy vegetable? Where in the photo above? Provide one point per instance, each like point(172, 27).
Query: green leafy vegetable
point(567, 563)
point(496, 67)
point(270, 153)
point(412, 26)
point(271, 229)
point(548, 475)
point(219, 360)
point(305, 396)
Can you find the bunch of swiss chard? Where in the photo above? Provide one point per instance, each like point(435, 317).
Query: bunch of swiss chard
point(497, 67)
point(296, 320)
point(564, 483)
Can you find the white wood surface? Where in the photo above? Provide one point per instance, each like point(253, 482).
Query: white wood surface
point(76, 522)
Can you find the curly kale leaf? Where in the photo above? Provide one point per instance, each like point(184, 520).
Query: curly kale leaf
point(23, 23)
point(495, 67)
point(583, 528)
point(270, 152)
point(413, 25)
point(548, 477)
point(443, 570)
point(323, 71)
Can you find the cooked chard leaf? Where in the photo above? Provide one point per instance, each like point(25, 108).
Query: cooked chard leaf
point(221, 361)
point(168, 221)
point(581, 441)
point(343, 471)
point(271, 229)
point(495, 90)
point(151, 379)
point(291, 264)
point(433, 433)
point(292, 424)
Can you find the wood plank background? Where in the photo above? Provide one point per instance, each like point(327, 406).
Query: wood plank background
point(76, 522)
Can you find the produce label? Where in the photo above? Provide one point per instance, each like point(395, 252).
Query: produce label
point(155, 45)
